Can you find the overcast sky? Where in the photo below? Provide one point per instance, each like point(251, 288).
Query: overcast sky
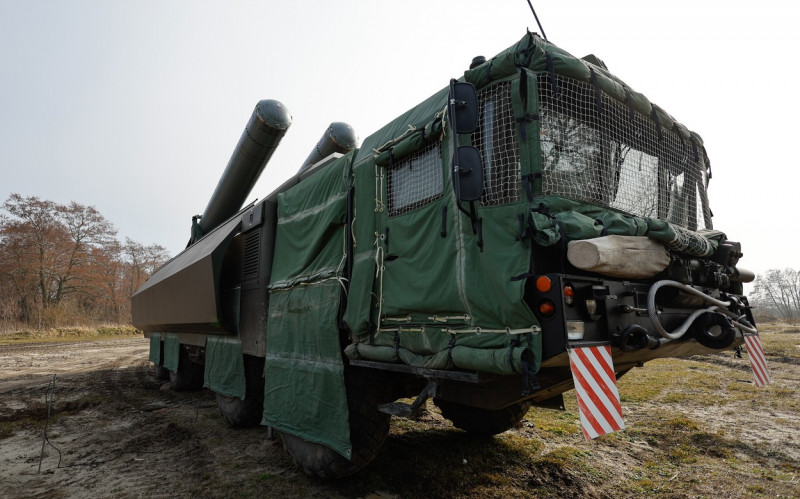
point(135, 107)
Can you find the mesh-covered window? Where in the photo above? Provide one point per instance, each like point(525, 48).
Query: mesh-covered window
point(416, 180)
point(497, 142)
point(617, 157)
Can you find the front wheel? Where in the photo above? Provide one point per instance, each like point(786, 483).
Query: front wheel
point(189, 375)
point(368, 430)
point(483, 421)
point(160, 372)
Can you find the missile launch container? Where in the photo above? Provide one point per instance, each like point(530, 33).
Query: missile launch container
point(536, 207)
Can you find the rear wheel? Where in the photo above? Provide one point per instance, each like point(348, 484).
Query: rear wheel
point(247, 412)
point(160, 372)
point(483, 421)
point(189, 375)
point(368, 430)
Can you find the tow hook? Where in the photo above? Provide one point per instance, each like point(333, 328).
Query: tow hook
point(635, 337)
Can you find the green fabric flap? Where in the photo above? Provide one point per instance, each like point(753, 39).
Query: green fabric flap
point(495, 300)
point(155, 348)
point(411, 143)
point(304, 391)
point(420, 265)
point(359, 296)
point(224, 368)
point(417, 117)
point(523, 88)
point(172, 351)
point(309, 240)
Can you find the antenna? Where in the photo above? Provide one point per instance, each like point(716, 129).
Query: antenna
point(537, 20)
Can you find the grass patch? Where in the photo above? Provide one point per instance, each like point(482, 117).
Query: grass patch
point(69, 334)
point(552, 422)
point(471, 466)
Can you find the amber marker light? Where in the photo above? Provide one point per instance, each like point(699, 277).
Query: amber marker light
point(546, 308)
point(543, 284)
point(569, 294)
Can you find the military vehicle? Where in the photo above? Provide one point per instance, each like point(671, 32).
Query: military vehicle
point(472, 251)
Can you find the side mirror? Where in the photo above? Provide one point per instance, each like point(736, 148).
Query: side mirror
point(468, 173)
point(464, 99)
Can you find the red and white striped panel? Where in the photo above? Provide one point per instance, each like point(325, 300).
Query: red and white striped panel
point(757, 359)
point(596, 388)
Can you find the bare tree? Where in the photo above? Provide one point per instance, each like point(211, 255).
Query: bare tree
point(780, 290)
point(31, 239)
point(61, 263)
point(90, 246)
point(141, 261)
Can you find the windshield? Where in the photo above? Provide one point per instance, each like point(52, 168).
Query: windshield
point(613, 156)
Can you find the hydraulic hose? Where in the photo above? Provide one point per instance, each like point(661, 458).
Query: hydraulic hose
point(717, 305)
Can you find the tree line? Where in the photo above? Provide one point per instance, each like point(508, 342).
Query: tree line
point(62, 265)
point(776, 295)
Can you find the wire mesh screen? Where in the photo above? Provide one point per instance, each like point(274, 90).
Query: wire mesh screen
point(616, 157)
point(497, 142)
point(416, 180)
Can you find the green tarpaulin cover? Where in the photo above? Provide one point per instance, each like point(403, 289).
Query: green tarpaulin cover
point(304, 372)
point(433, 285)
point(224, 368)
point(172, 350)
point(155, 348)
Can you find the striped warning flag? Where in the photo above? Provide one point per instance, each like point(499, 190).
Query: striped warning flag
point(596, 388)
point(757, 359)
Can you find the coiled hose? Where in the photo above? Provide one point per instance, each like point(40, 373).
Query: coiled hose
point(717, 306)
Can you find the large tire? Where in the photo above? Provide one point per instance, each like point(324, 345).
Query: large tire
point(483, 421)
point(245, 413)
point(368, 430)
point(160, 372)
point(189, 375)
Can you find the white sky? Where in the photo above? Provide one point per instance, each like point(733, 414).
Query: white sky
point(135, 107)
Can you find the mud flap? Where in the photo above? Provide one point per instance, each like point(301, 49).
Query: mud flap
point(172, 351)
point(596, 389)
point(155, 348)
point(224, 368)
point(304, 390)
point(755, 351)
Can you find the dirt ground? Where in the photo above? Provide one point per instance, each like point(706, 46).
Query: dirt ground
point(115, 431)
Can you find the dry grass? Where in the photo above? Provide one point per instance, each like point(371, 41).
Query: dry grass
point(69, 334)
point(696, 427)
